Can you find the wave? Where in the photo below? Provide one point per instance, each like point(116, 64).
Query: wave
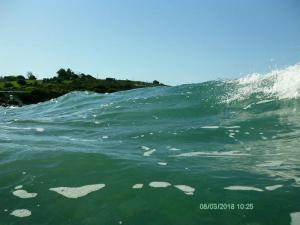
point(278, 84)
point(208, 140)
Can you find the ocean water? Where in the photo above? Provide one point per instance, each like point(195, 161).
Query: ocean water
point(219, 152)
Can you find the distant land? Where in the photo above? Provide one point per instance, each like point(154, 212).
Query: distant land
point(19, 90)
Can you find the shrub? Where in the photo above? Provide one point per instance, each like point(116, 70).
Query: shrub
point(8, 85)
point(30, 76)
point(155, 82)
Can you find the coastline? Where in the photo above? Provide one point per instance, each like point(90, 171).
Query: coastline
point(18, 91)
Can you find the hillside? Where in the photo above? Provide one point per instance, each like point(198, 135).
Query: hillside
point(18, 90)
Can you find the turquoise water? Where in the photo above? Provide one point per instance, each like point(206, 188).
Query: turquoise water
point(231, 143)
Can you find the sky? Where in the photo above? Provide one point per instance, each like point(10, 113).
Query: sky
point(175, 42)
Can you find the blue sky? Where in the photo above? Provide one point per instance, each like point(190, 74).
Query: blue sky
point(186, 41)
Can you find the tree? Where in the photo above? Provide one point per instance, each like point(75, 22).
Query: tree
point(67, 74)
point(21, 80)
point(155, 82)
point(62, 73)
point(30, 76)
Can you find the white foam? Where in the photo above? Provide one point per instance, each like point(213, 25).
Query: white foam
point(104, 137)
point(162, 163)
point(243, 188)
point(137, 186)
point(231, 135)
point(186, 189)
point(248, 106)
point(77, 192)
point(150, 152)
point(40, 129)
point(145, 148)
point(214, 153)
point(295, 218)
point(270, 164)
point(21, 213)
point(159, 184)
point(283, 84)
point(210, 127)
point(232, 127)
point(18, 187)
point(274, 187)
point(174, 149)
point(263, 101)
point(24, 194)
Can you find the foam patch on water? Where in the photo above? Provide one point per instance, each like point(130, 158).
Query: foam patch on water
point(174, 149)
point(137, 186)
point(162, 163)
point(18, 187)
point(24, 194)
point(273, 187)
point(159, 184)
point(185, 188)
point(214, 153)
point(270, 164)
point(77, 192)
point(295, 218)
point(210, 127)
point(150, 152)
point(21, 213)
point(145, 148)
point(243, 188)
point(40, 129)
point(263, 101)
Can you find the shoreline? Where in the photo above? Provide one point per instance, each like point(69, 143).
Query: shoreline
point(19, 91)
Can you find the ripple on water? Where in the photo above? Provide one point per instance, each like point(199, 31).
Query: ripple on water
point(214, 153)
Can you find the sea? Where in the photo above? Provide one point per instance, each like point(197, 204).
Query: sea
point(220, 152)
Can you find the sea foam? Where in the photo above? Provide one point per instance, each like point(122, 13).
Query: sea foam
point(243, 188)
point(77, 192)
point(21, 213)
point(24, 194)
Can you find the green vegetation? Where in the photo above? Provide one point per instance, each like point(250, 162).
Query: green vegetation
point(18, 90)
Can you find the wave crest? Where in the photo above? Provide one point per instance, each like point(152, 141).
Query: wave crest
point(278, 84)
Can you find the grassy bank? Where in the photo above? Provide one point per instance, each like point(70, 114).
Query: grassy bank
point(18, 90)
